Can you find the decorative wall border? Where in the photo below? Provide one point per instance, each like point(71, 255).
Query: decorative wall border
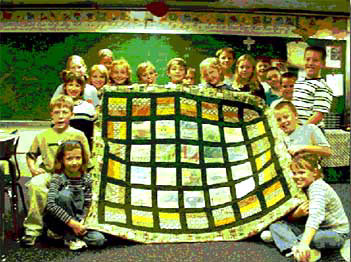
point(173, 22)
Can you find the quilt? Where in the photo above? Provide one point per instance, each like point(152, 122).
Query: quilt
point(187, 165)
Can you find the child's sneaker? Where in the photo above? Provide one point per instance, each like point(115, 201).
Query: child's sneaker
point(315, 255)
point(345, 250)
point(266, 236)
point(28, 240)
point(51, 234)
point(76, 244)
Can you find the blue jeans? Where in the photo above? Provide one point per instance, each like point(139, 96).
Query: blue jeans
point(286, 235)
point(73, 203)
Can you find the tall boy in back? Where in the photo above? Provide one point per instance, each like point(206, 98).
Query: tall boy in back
point(312, 96)
point(176, 69)
point(301, 139)
point(212, 74)
point(45, 145)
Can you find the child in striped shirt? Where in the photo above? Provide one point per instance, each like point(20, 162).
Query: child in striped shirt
point(69, 198)
point(327, 225)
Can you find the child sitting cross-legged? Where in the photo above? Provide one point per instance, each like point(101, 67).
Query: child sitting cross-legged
point(327, 226)
point(69, 198)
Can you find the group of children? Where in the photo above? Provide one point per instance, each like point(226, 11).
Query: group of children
point(60, 190)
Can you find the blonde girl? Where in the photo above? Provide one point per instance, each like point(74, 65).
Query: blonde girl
point(98, 77)
point(245, 76)
point(121, 73)
point(146, 73)
point(77, 65)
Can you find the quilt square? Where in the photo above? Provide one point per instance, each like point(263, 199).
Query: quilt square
point(117, 106)
point(233, 135)
point(260, 145)
point(273, 194)
point(188, 130)
point(165, 129)
point(263, 159)
point(249, 206)
point(142, 218)
point(169, 220)
point(216, 175)
point(230, 114)
point(194, 199)
point(165, 153)
point(167, 199)
point(113, 215)
point(241, 171)
point(223, 216)
point(140, 175)
point(141, 106)
point(250, 115)
point(190, 154)
point(116, 170)
point(209, 111)
point(220, 196)
point(191, 177)
point(141, 130)
point(165, 106)
point(141, 197)
point(237, 153)
point(255, 130)
point(119, 150)
point(196, 220)
point(115, 193)
point(188, 107)
point(116, 130)
point(166, 176)
point(140, 153)
point(267, 174)
point(211, 133)
point(213, 154)
point(245, 187)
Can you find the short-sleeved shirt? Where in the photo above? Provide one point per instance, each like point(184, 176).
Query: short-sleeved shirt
point(310, 96)
point(47, 142)
point(307, 135)
point(90, 94)
point(83, 110)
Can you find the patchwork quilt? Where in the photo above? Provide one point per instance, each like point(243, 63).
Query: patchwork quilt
point(188, 164)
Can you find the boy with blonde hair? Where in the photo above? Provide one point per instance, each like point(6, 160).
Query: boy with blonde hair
point(147, 74)
point(45, 145)
point(301, 139)
point(176, 69)
point(212, 74)
point(105, 57)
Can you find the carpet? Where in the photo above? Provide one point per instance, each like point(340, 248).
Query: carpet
point(188, 165)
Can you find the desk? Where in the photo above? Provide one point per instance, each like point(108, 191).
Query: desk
point(339, 141)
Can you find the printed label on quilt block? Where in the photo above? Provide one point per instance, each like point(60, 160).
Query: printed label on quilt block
point(195, 165)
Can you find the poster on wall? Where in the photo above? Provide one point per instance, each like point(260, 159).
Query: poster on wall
point(333, 59)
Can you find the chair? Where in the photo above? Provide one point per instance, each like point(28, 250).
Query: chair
point(9, 183)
